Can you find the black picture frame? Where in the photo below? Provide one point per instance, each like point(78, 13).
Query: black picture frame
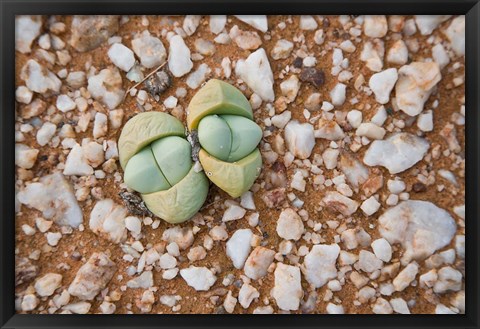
point(8, 10)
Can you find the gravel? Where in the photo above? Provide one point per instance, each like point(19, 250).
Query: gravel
point(361, 192)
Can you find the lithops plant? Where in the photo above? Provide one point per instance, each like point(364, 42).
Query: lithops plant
point(223, 119)
point(157, 163)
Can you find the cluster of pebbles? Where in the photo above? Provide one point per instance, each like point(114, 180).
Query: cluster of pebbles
point(360, 206)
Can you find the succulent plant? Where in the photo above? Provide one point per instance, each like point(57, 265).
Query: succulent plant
point(156, 159)
point(223, 119)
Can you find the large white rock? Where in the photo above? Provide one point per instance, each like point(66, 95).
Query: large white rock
point(92, 277)
point(449, 279)
point(372, 54)
point(370, 206)
point(300, 139)
point(281, 120)
point(368, 262)
point(200, 278)
point(182, 236)
point(109, 218)
point(416, 82)
point(106, 87)
point(340, 203)
point(355, 172)
point(354, 118)
point(405, 277)
point(204, 47)
point(382, 249)
point(425, 121)
point(282, 49)
point(149, 49)
point(233, 212)
point(76, 163)
point(65, 103)
point(100, 125)
point(308, 22)
point(258, 262)
point(382, 306)
point(247, 40)
point(290, 225)
point(38, 78)
point(370, 130)
point(23, 95)
point(47, 284)
point(335, 309)
point(290, 88)
point(440, 55)
point(121, 56)
point(238, 247)
point(94, 153)
point(375, 26)
point(399, 305)
point(382, 84)
point(338, 94)
point(54, 197)
point(45, 133)
point(190, 23)
point(29, 302)
point(398, 53)
point(229, 302)
point(27, 29)
point(456, 34)
point(330, 158)
point(287, 290)
point(143, 281)
point(257, 74)
point(320, 264)
point(419, 226)
point(25, 156)
point(427, 23)
point(196, 78)
point(179, 61)
point(329, 129)
point(247, 294)
point(217, 23)
point(77, 308)
point(257, 21)
point(397, 153)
